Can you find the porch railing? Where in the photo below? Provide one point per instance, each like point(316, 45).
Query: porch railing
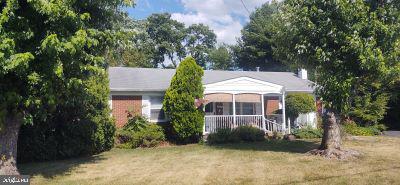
point(215, 122)
point(273, 126)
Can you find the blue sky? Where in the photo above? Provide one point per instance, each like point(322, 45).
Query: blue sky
point(225, 17)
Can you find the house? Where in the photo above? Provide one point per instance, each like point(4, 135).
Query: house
point(259, 96)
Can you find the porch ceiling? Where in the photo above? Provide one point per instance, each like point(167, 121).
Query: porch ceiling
point(225, 97)
point(243, 85)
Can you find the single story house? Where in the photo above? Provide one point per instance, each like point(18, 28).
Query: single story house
point(234, 97)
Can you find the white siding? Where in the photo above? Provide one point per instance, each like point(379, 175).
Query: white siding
point(242, 85)
point(309, 119)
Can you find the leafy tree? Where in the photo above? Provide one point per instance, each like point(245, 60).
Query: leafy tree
point(186, 86)
point(168, 36)
point(221, 59)
point(48, 51)
point(133, 47)
point(353, 47)
point(254, 48)
point(367, 110)
point(79, 125)
point(200, 40)
point(299, 103)
point(160, 41)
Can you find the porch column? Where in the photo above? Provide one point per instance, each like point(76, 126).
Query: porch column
point(234, 109)
point(262, 112)
point(204, 123)
point(283, 111)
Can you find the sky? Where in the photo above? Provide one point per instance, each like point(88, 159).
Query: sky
point(225, 17)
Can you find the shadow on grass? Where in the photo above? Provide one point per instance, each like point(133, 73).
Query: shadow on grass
point(51, 169)
point(297, 146)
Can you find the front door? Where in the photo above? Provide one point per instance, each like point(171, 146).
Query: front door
point(219, 108)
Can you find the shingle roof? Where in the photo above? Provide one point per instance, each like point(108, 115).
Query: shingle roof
point(150, 79)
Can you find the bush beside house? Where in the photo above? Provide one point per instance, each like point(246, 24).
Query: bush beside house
point(139, 132)
point(239, 134)
point(299, 103)
point(308, 133)
point(79, 126)
point(186, 86)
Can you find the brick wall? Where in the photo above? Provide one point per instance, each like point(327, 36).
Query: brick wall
point(122, 104)
point(271, 104)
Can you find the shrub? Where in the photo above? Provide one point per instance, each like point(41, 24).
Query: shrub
point(369, 109)
point(277, 135)
point(308, 133)
point(186, 86)
point(239, 134)
point(150, 136)
point(299, 103)
point(381, 127)
point(122, 136)
point(80, 125)
point(135, 123)
point(224, 135)
point(351, 127)
point(249, 133)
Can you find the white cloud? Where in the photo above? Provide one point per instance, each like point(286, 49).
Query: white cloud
point(222, 16)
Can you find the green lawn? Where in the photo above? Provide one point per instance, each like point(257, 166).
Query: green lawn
point(270, 162)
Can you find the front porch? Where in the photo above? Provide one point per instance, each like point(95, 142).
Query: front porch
point(245, 101)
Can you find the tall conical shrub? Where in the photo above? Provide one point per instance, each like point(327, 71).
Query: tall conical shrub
point(186, 86)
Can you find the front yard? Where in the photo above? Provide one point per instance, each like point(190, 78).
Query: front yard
point(270, 162)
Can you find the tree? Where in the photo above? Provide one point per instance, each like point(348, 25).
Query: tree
point(160, 41)
point(392, 117)
point(221, 59)
point(299, 103)
point(179, 101)
point(200, 40)
point(133, 46)
point(254, 48)
point(48, 50)
point(168, 36)
point(353, 47)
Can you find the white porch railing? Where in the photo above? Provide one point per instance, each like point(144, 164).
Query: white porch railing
point(273, 126)
point(253, 120)
point(215, 122)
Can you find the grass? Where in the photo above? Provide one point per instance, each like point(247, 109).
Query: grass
point(270, 162)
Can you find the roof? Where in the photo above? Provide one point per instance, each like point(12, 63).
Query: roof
point(152, 79)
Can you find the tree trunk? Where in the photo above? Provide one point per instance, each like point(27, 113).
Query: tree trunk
point(331, 138)
point(8, 144)
point(331, 141)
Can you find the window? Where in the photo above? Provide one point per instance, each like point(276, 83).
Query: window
point(243, 108)
point(156, 111)
point(248, 108)
point(157, 114)
point(209, 107)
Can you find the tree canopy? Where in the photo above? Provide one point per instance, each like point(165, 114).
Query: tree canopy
point(50, 52)
point(354, 47)
point(160, 41)
point(200, 40)
point(254, 47)
point(221, 58)
point(168, 35)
